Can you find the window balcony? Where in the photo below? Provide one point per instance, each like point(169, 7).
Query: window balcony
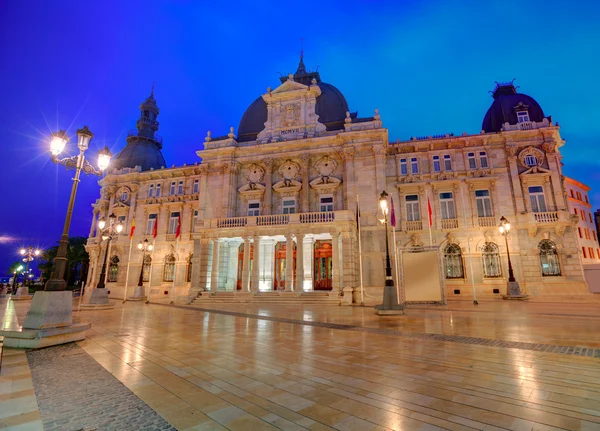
point(279, 219)
point(546, 217)
point(413, 226)
point(486, 221)
point(450, 223)
point(526, 125)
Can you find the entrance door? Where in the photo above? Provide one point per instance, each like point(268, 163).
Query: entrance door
point(323, 265)
point(281, 266)
point(241, 265)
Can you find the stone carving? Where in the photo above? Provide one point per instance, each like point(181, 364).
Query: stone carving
point(410, 178)
point(451, 238)
point(254, 173)
point(378, 149)
point(290, 114)
point(510, 150)
point(415, 241)
point(289, 170)
point(326, 166)
point(549, 147)
point(531, 151)
point(480, 173)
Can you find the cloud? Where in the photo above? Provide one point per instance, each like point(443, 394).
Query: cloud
point(5, 239)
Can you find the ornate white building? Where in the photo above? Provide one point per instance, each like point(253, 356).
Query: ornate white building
point(271, 210)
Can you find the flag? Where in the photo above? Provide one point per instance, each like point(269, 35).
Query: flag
point(155, 227)
point(178, 230)
point(132, 229)
point(429, 212)
point(357, 215)
point(393, 214)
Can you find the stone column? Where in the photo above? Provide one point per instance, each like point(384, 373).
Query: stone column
point(234, 168)
point(514, 178)
point(225, 184)
point(93, 226)
point(305, 164)
point(232, 266)
point(214, 273)
point(335, 258)
point(202, 192)
point(132, 205)
point(309, 262)
point(300, 262)
point(379, 154)
point(348, 180)
point(246, 266)
point(268, 251)
point(289, 263)
point(267, 204)
point(163, 222)
point(200, 264)
point(256, 264)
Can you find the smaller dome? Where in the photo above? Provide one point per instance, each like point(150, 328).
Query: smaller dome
point(139, 152)
point(507, 102)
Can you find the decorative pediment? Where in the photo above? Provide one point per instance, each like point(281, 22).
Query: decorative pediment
point(252, 191)
point(325, 184)
point(287, 86)
point(287, 187)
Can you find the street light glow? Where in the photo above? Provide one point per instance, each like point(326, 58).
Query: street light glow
point(58, 142)
point(104, 156)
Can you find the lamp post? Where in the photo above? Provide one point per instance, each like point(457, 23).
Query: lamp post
point(79, 163)
point(107, 234)
point(144, 247)
point(391, 303)
point(29, 254)
point(17, 270)
point(513, 291)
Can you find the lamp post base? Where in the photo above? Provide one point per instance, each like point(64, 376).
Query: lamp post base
point(513, 291)
point(98, 301)
point(49, 322)
point(390, 306)
point(139, 294)
point(56, 284)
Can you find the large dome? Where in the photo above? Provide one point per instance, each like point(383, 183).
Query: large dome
point(331, 107)
point(505, 106)
point(139, 152)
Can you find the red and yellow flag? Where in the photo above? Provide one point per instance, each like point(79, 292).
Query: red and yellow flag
point(132, 229)
point(155, 227)
point(178, 231)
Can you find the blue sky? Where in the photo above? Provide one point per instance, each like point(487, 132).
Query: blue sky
point(427, 66)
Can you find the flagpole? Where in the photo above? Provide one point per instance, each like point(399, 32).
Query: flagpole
point(393, 223)
point(360, 273)
point(174, 272)
point(150, 275)
point(462, 198)
point(127, 272)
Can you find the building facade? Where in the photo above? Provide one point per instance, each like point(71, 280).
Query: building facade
point(587, 234)
point(272, 210)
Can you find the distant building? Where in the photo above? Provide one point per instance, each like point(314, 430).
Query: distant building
point(597, 222)
point(271, 208)
point(587, 233)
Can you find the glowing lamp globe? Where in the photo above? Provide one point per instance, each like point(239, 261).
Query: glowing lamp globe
point(58, 142)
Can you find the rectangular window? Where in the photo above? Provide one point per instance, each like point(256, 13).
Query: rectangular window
point(580, 235)
point(590, 216)
point(123, 220)
point(578, 196)
point(413, 212)
point(403, 167)
point(180, 188)
point(572, 193)
point(586, 199)
point(158, 190)
point(196, 186)
point(587, 233)
point(414, 165)
point(326, 203)
point(447, 162)
point(194, 220)
point(436, 164)
point(538, 201)
point(447, 206)
point(483, 160)
point(582, 214)
point(591, 250)
point(172, 191)
point(253, 208)
point(584, 252)
point(522, 116)
point(173, 220)
point(595, 237)
point(471, 158)
point(484, 203)
point(151, 191)
point(288, 206)
point(150, 223)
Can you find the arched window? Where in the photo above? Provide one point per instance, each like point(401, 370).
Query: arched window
point(549, 258)
point(169, 272)
point(531, 160)
point(189, 268)
point(453, 261)
point(113, 269)
point(146, 269)
point(491, 260)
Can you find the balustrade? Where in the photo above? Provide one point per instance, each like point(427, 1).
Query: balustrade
point(450, 223)
point(546, 217)
point(486, 221)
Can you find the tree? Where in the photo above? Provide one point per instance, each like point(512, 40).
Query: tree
point(77, 260)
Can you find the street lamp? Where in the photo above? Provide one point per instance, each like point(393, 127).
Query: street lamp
point(107, 234)
point(513, 291)
point(144, 246)
point(79, 163)
point(391, 303)
point(29, 254)
point(17, 270)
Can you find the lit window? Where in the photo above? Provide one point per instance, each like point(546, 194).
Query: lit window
point(196, 186)
point(453, 261)
point(169, 271)
point(173, 221)
point(436, 164)
point(123, 221)
point(447, 162)
point(537, 199)
point(180, 188)
point(491, 260)
point(253, 208)
point(447, 206)
point(548, 258)
point(289, 206)
point(483, 159)
point(522, 116)
point(173, 184)
point(326, 203)
point(151, 191)
point(412, 208)
point(484, 203)
point(146, 268)
point(403, 167)
point(113, 270)
point(531, 160)
point(150, 223)
point(414, 165)
point(472, 164)
point(158, 190)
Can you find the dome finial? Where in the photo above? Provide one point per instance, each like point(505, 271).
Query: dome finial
point(152, 92)
point(301, 67)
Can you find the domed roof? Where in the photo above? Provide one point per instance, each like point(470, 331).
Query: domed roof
point(507, 102)
point(139, 152)
point(331, 106)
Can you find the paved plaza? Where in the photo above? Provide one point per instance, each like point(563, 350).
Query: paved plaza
point(498, 365)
